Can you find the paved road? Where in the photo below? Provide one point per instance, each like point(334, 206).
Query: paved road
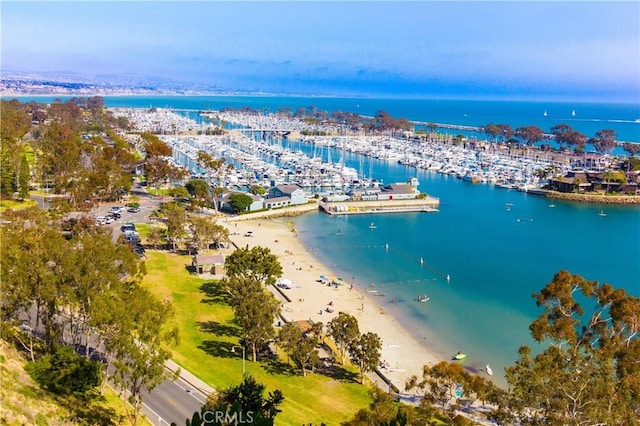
point(172, 401)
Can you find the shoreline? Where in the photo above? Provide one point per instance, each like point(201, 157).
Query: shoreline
point(403, 353)
point(619, 200)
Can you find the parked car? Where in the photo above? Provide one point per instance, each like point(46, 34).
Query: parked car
point(133, 209)
point(128, 227)
point(139, 249)
point(132, 239)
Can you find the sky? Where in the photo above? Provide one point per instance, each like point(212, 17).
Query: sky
point(572, 50)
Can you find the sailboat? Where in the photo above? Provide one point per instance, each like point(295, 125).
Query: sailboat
point(573, 113)
point(602, 213)
point(545, 113)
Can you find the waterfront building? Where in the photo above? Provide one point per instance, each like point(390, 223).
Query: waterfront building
point(225, 205)
point(285, 195)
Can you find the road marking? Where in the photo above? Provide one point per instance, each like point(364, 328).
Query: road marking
point(172, 402)
point(175, 382)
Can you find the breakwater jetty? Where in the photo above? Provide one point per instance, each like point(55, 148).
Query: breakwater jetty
point(426, 205)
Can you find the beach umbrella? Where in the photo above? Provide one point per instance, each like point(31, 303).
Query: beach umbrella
point(284, 281)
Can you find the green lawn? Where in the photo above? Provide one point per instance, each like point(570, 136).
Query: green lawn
point(207, 335)
point(16, 205)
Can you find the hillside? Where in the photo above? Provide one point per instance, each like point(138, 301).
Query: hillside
point(22, 402)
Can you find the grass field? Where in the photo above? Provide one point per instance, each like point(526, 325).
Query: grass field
point(208, 334)
point(15, 205)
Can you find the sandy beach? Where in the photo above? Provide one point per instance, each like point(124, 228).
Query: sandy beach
point(403, 354)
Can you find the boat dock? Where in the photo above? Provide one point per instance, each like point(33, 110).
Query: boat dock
point(425, 205)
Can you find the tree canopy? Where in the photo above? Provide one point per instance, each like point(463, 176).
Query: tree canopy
point(301, 347)
point(365, 352)
point(241, 404)
point(589, 371)
point(344, 330)
point(257, 263)
point(239, 202)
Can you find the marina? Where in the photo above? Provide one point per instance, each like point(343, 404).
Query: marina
point(259, 153)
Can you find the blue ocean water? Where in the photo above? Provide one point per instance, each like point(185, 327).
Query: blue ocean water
point(589, 118)
point(495, 258)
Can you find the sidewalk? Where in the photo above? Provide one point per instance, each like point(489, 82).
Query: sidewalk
point(189, 378)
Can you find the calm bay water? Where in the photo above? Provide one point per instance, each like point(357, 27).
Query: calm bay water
point(495, 258)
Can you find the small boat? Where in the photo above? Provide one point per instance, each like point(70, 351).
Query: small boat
point(573, 113)
point(552, 205)
point(602, 213)
point(423, 298)
point(372, 226)
point(545, 113)
point(488, 370)
point(459, 356)
point(339, 233)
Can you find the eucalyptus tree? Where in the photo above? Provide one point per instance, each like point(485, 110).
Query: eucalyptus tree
point(566, 136)
point(529, 134)
point(200, 192)
point(60, 148)
point(506, 132)
point(492, 130)
point(140, 346)
point(302, 347)
point(156, 236)
point(588, 372)
point(365, 352)
point(257, 263)
point(15, 124)
point(632, 148)
point(447, 385)
point(344, 330)
point(176, 220)
point(204, 231)
point(214, 167)
point(604, 141)
point(255, 310)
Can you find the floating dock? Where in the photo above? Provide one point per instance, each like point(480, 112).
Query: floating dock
point(426, 205)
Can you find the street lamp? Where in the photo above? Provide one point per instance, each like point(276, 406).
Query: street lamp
point(233, 350)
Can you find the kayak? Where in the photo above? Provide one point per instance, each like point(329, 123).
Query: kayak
point(459, 356)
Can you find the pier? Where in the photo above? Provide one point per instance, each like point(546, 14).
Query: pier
point(425, 205)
